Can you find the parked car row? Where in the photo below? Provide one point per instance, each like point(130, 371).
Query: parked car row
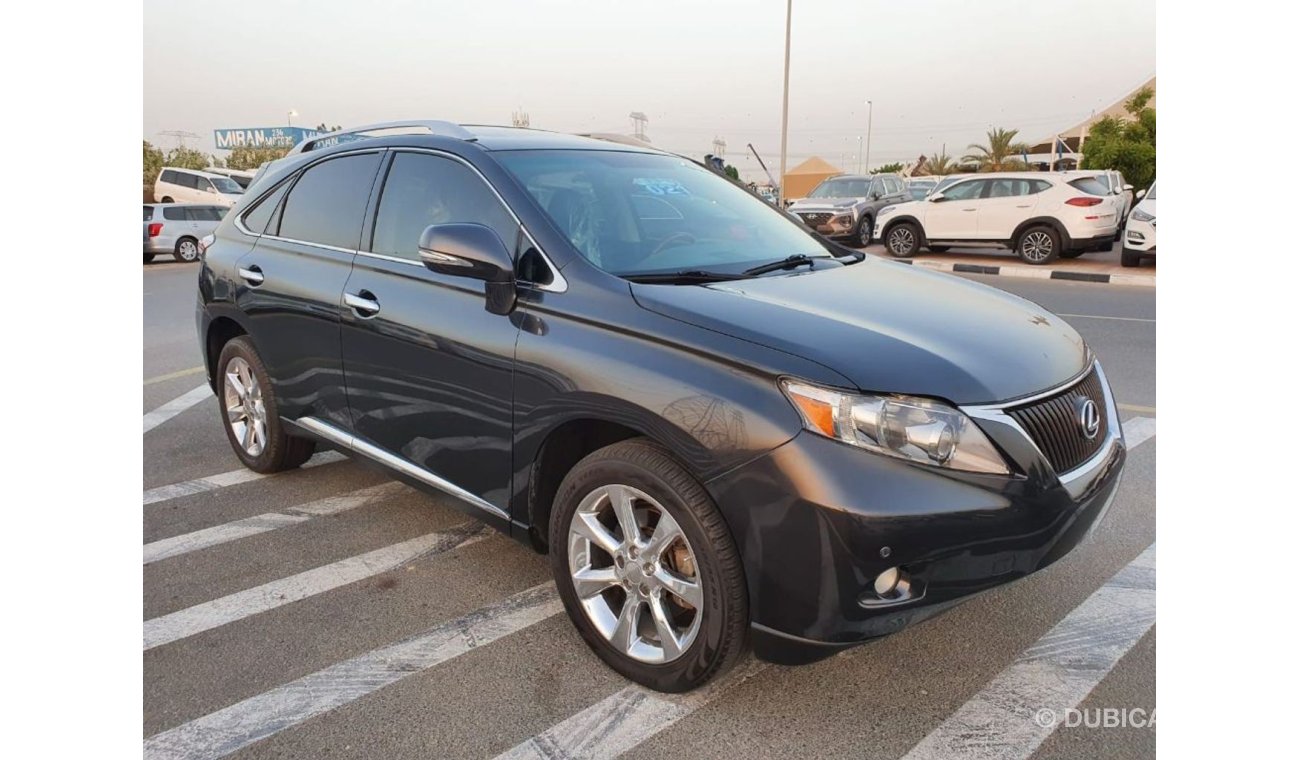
point(846, 207)
point(175, 229)
point(176, 185)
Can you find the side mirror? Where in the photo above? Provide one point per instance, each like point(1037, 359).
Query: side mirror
point(1128, 188)
point(934, 197)
point(476, 252)
point(1141, 193)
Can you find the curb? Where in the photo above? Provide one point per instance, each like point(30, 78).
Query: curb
point(1035, 273)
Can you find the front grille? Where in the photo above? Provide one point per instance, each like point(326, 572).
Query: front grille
point(813, 220)
point(1053, 423)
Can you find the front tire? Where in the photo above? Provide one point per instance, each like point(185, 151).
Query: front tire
point(187, 250)
point(903, 240)
point(647, 569)
point(1038, 245)
point(148, 257)
point(250, 415)
point(1130, 259)
point(863, 236)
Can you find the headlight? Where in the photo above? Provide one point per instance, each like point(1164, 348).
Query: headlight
point(916, 429)
point(1143, 216)
point(886, 210)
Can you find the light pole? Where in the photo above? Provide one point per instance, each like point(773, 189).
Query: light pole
point(857, 157)
point(292, 114)
point(785, 100)
point(870, 108)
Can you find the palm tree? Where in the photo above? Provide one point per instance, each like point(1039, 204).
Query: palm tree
point(940, 164)
point(999, 155)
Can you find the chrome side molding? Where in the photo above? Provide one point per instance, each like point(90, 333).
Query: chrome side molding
point(406, 467)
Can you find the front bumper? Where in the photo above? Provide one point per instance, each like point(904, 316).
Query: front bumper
point(839, 223)
point(816, 521)
point(1140, 237)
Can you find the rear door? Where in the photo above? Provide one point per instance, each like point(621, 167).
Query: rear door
point(292, 281)
point(956, 216)
point(429, 370)
point(1009, 202)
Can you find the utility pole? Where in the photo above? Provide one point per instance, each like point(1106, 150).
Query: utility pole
point(638, 125)
point(519, 118)
point(719, 147)
point(870, 108)
point(180, 136)
point(785, 101)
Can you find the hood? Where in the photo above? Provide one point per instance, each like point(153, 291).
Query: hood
point(805, 204)
point(890, 328)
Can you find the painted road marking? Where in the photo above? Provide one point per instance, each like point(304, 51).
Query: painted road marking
point(268, 596)
point(251, 526)
point(1136, 408)
point(630, 716)
point(1099, 316)
point(1022, 706)
point(175, 406)
point(173, 375)
point(243, 723)
point(221, 480)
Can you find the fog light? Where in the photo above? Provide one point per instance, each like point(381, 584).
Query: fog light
point(887, 583)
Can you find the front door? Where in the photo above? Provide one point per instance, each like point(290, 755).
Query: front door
point(429, 370)
point(292, 283)
point(956, 215)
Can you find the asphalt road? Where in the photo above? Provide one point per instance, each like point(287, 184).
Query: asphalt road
point(272, 607)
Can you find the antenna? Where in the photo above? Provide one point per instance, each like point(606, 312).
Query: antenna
point(639, 120)
point(519, 118)
point(180, 136)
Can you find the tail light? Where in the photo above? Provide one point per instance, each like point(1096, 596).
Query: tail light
point(206, 243)
point(1083, 202)
point(155, 229)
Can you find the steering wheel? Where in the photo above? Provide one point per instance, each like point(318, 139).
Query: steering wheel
point(685, 238)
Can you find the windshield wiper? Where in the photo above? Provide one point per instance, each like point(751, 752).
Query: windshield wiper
point(789, 262)
point(686, 275)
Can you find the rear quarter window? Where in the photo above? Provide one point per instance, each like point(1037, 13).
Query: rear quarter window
point(148, 213)
point(175, 214)
point(1090, 185)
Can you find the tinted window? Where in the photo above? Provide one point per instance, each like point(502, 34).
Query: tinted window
point(327, 203)
point(187, 180)
point(256, 218)
point(1039, 186)
point(1009, 188)
point(204, 214)
point(422, 190)
point(175, 214)
point(169, 176)
point(964, 191)
point(1090, 185)
point(840, 188)
point(148, 213)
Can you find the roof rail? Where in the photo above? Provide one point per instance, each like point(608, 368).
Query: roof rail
point(434, 127)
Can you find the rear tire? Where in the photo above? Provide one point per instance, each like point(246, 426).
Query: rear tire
point(589, 547)
point(1038, 245)
point(187, 250)
point(250, 415)
point(148, 257)
point(167, 199)
point(903, 240)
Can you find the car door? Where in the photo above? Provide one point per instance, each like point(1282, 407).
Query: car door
point(956, 215)
point(429, 370)
point(1009, 202)
point(292, 281)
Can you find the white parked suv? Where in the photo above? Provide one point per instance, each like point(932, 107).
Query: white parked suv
point(177, 185)
point(1140, 233)
point(1038, 215)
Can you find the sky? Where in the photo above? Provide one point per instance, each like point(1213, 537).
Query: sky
point(939, 72)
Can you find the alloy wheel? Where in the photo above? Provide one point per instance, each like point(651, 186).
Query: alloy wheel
point(901, 240)
point(1036, 246)
point(635, 574)
point(245, 410)
point(864, 233)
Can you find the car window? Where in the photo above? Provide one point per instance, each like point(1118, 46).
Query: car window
point(422, 190)
point(169, 177)
point(255, 219)
point(964, 191)
point(175, 214)
point(227, 186)
point(328, 202)
point(1039, 185)
point(841, 187)
point(148, 213)
point(1151, 194)
point(204, 214)
point(1090, 185)
point(187, 180)
point(877, 187)
point(1009, 188)
point(893, 186)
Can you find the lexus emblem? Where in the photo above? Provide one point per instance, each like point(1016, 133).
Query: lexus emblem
point(1089, 418)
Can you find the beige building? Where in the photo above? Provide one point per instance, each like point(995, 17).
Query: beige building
point(800, 180)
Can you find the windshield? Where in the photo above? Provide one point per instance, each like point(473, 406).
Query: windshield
point(227, 185)
point(638, 213)
point(841, 188)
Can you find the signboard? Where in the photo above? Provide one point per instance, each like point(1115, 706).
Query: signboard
point(259, 137)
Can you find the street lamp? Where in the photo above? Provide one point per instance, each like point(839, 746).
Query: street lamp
point(857, 157)
point(870, 108)
point(785, 101)
point(292, 114)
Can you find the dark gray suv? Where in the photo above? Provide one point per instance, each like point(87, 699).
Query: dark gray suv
point(845, 207)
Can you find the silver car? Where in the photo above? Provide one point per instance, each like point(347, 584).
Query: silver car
point(177, 228)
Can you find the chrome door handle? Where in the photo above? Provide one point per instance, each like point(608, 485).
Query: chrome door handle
point(253, 275)
point(1027, 205)
point(364, 303)
point(968, 209)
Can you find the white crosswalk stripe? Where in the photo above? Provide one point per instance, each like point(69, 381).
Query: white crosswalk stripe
point(224, 479)
point(634, 714)
point(256, 718)
point(251, 526)
point(1022, 706)
point(228, 609)
point(176, 406)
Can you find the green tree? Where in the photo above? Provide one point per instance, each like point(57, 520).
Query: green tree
point(732, 172)
point(153, 163)
point(253, 156)
point(1000, 155)
point(188, 158)
point(893, 168)
point(1127, 146)
point(939, 164)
